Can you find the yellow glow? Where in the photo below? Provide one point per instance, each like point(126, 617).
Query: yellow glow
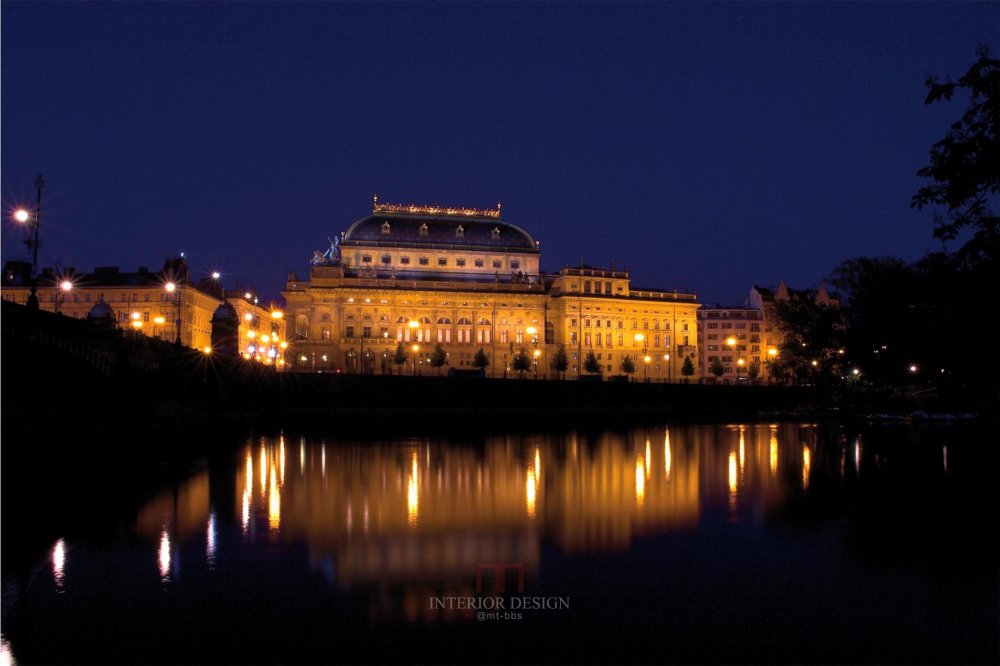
point(281, 458)
point(416, 348)
point(273, 502)
point(136, 315)
point(21, 215)
point(263, 470)
point(412, 493)
point(806, 466)
point(649, 466)
point(740, 361)
point(251, 334)
point(66, 285)
point(137, 324)
point(815, 363)
point(531, 330)
point(159, 320)
point(59, 563)
point(743, 450)
point(730, 341)
point(207, 350)
point(265, 338)
point(170, 287)
point(246, 508)
point(647, 359)
point(277, 314)
point(733, 476)
point(248, 316)
point(164, 556)
point(640, 482)
point(773, 453)
point(435, 210)
point(667, 457)
point(530, 491)
point(772, 352)
point(414, 324)
point(639, 337)
point(247, 295)
point(538, 464)
point(538, 353)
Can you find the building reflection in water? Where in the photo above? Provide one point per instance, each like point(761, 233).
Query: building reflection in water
point(429, 512)
point(59, 564)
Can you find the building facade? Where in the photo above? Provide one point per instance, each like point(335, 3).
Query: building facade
point(465, 279)
point(161, 304)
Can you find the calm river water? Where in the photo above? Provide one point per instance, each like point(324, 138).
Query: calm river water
point(782, 542)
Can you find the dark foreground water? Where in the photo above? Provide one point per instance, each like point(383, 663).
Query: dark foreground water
point(743, 543)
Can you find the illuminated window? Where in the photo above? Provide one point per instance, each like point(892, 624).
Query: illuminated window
point(325, 334)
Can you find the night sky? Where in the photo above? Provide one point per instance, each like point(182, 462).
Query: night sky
point(704, 146)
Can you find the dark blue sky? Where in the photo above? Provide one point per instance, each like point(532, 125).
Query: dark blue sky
point(705, 146)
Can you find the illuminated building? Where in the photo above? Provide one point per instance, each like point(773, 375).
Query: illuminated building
point(154, 303)
point(733, 336)
point(467, 280)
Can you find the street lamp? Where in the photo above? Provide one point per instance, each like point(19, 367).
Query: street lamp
point(645, 369)
point(65, 287)
point(22, 216)
point(170, 288)
point(639, 337)
point(670, 369)
point(416, 348)
point(538, 352)
point(158, 321)
point(731, 343)
point(533, 332)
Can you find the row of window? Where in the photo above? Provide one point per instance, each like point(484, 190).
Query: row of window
point(598, 338)
point(515, 264)
point(621, 324)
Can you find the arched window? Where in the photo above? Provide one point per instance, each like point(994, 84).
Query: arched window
point(302, 327)
point(444, 320)
point(402, 320)
point(550, 333)
point(465, 321)
point(425, 320)
point(484, 322)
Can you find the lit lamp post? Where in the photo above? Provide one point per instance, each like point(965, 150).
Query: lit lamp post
point(533, 332)
point(385, 352)
point(22, 216)
point(670, 369)
point(772, 355)
point(639, 337)
point(65, 287)
point(645, 368)
point(171, 288)
point(158, 321)
point(416, 348)
point(731, 343)
point(136, 321)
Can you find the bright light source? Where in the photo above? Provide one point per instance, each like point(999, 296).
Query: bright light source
point(248, 295)
point(21, 215)
point(815, 363)
point(740, 362)
point(855, 372)
point(66, 285)
point(265, 338)
point(302, 358)
point(538, 352)
point(216, 275)
point(248, 317)
point(136, 315)
point(730, 341)
point(647, 359)
point(170, 287)
point(251, 334)
point(913, 368)
point(159, 320)
point(414, 324)
point(284, 345)
point(207, 350)
point(137, 324)
point(772, 352)
point(277, 314)
point(639, 337)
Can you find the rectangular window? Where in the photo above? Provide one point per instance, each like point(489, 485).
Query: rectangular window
point(656, 340)
point(423, 261)
point(586, 339)
point(366, 331)
point(572, 337)
point(460, 262)
point(514, 264)
point(145, 317)
point(146, 297)
point(607, 287)
point(348, 332)
point(405, 261)
point(325, 334)
point(586, 286)
point(597, 323)
point(480, 263)
point(608, 338)
point(741, 325)
point(621, 338)
point(497, 263)
point(366, 259)
point(504, 337)
point(572, 323)
point(442, 261)
point(713, 324)
point(586, 322)
point(520, 337)
point(386, 259)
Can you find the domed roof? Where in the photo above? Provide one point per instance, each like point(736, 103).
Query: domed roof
point(101, 310)
point(225, 311)
point(425, 226)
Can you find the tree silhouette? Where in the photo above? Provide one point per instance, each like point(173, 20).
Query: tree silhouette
point(521, 362)
point(591, 365)
point(560, 362)
point(438, 358)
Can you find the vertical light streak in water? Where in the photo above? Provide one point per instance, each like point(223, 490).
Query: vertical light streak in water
point(164, 556)
point(6, 656)
point(649, 467)
point(59, 564)
point(412, 494)
point(366, 517)
point(273, 502)
point(667, 457)
point(281, 458)
point(857, 455)
point(302, 458)
point(210, 541)
point(640, 482)
point(743, 450)
point(773, 451)
point(263, 470)
point(806, 465)
point(350, 517)
point(733, 474)
point(322, 460)
point(249, 479)
point(538, 464)
point(530, 491)
point(246, 509)
point(944, 455)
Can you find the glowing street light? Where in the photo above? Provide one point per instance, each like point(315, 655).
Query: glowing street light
point(216, 275)
point(21, 215)
point(416, 348)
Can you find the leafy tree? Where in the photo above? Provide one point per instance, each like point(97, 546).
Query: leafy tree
point(628, 365)
point(717, 368)
point(521, 362)
point(591, 365)
point(399, 358)
point(438, 358)
point(753, 371)
point(965, 164)
point(814, 338)
point(687, 369)
point(560, 362)
point(480, 360)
